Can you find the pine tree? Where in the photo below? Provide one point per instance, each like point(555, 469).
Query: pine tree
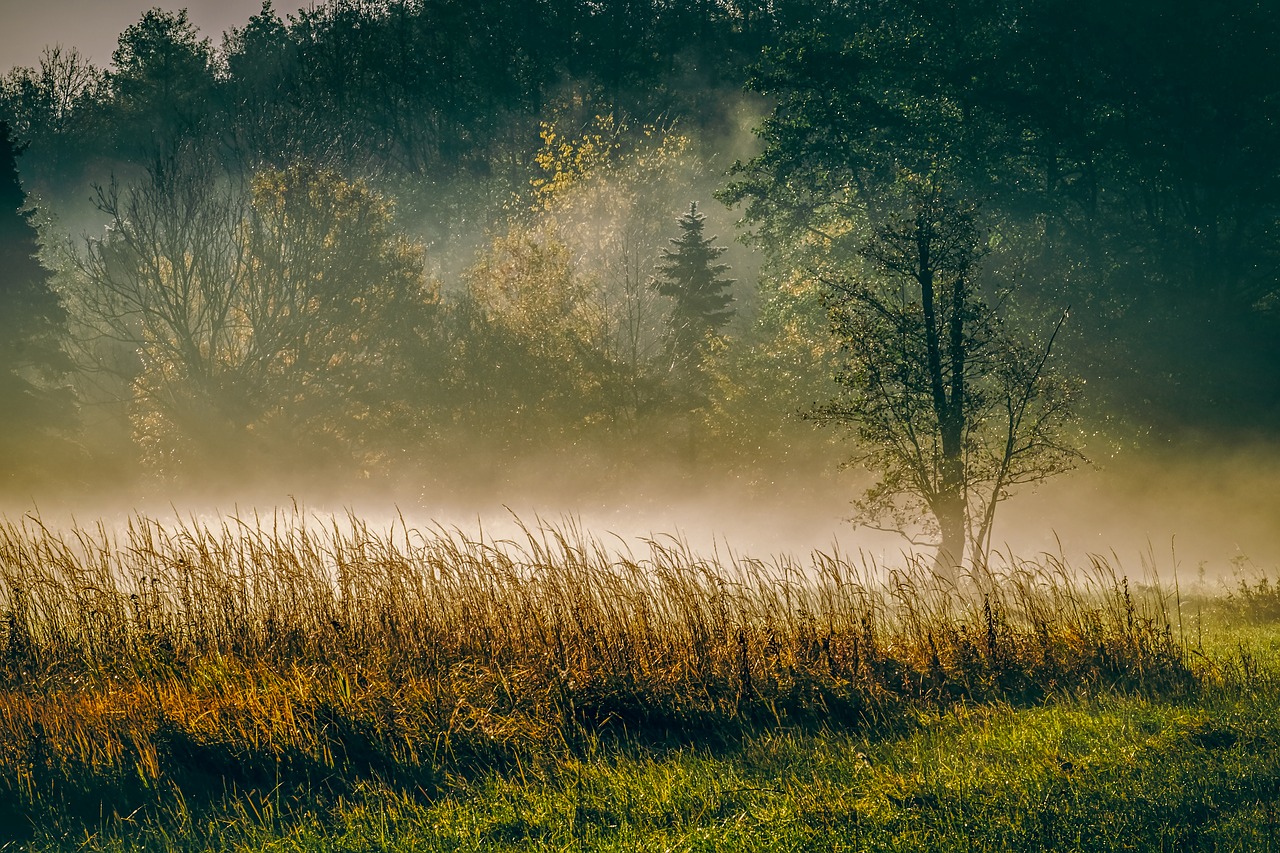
point(35, 403)
point(690, 274)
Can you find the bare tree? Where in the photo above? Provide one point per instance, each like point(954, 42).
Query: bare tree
point(164, 284)
point(44, 98)
point(951, 409)
point(284, 309)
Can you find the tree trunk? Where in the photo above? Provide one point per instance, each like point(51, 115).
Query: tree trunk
point(950, 512)
point(950, 506)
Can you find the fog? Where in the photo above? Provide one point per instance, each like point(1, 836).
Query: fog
point(1203, 518)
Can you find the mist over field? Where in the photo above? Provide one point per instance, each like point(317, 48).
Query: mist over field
point(659, 270)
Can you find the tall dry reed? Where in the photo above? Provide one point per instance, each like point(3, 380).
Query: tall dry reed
point(288, 651)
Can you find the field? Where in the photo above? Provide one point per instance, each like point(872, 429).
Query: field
point(280, 683)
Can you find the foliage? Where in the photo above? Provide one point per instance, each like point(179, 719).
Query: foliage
point(557, 332)
point(46, 108)
point(1110, 219)
point(689, 274)
point(607, 194)
point(344, 312)
point(294, 309)
point(39, 410)
point(759, 385)
point(566, 164)
point(952, 411)
point(536, 353)
point(1256, 597)
point(595, 124)
point(160, 80)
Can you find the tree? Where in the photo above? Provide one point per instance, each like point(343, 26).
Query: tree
point(36, 403)
point(50, 108)
point(259, 84)
point(689, 273)
point(772, 372)
point(342, 314)
point(1053, 115)
point(952, 410)
point(538, 365)
point(269, 322)
point(161, 81)
point(47, 96)
point(606, 195)
point(158, 294)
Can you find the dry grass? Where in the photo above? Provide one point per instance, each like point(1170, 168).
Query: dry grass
point(171, 663)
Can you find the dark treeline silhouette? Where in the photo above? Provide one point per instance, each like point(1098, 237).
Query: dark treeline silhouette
point(423, 94)
point(1122, 152)
point(36, 401)
point(403, 230)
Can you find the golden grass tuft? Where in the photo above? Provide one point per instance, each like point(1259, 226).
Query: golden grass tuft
point(286, 654)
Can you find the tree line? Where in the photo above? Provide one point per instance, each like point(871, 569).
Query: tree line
point(370, 231)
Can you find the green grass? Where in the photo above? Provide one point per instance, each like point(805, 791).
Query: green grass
point(1112, 773)
point(266, 685)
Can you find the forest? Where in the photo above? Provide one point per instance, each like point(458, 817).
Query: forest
point(764, 262)
point(412, 243)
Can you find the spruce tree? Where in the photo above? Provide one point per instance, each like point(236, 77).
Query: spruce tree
point(36, 406)
point(690, 274)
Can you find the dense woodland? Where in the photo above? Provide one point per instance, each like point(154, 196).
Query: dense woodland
point(415, 238)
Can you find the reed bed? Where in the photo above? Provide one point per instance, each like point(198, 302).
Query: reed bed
point(169, 662)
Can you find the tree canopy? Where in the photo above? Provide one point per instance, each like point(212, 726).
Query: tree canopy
point(690, 275)
point(951, 408)
point(344, 227)
point(37, 411)
point(255, 317)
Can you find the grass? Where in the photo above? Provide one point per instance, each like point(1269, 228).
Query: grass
point(274, 683)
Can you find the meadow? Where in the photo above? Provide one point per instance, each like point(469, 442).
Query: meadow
point(285, 683)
